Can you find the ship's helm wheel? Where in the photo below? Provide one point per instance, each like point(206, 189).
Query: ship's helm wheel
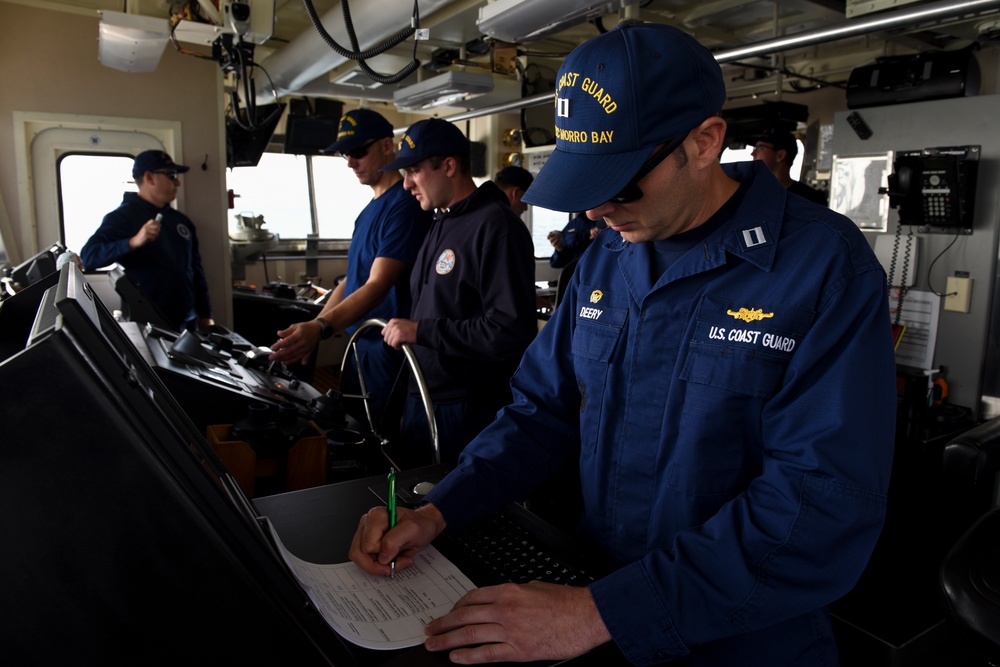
point(398, 384)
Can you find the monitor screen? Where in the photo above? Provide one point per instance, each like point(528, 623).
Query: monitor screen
point(135, 303)
point(129, 540)
point(35, 268)
point(245, 143)
point(309, 135)
point(17, 314)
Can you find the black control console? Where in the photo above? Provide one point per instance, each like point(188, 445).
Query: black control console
point(216, 376)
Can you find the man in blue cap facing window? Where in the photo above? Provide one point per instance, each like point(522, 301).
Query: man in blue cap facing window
point(702, 375)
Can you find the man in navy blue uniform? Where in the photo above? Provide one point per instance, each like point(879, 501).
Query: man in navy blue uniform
point(777, 149)
point(155, 244)
point(573, 240)
point(473, 290)
point(702, 374)
point(387, 234)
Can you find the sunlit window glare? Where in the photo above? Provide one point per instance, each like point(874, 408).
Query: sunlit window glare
point(744, 154)
point(91, 186)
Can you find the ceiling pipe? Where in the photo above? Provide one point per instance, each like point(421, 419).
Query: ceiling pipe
point(308, 57)
point(320, 88)
point(898, 19)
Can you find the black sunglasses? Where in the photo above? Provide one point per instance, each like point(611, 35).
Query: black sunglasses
point(172, 175)
point(632, 192)
point(360, 151)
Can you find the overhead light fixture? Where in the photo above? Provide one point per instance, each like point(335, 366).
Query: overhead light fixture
point(524, 20)
point(358, 79)
point(446, 88)
point(131, 43)
point(383, 62)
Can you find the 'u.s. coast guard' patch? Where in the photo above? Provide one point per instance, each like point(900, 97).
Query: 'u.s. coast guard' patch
point(446, 262)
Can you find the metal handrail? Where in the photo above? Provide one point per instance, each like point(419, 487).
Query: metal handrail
point(411, 358)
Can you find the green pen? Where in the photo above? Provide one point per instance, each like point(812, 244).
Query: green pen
point(391, 507)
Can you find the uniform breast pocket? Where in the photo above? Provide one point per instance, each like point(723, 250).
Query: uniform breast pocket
point(595, 342)
point(598, 325)
point(742, 371)
point(597, 336)
point(744, 349)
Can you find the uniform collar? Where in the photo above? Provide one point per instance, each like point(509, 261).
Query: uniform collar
point(134, 198)
point(752, 233)
point(754, 228)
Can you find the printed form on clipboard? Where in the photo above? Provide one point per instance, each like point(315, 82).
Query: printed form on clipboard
point(378, 612)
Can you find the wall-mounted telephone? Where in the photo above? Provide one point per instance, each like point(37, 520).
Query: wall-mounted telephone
point(935, 188)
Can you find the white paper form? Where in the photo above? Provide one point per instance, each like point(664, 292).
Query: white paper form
point(920, 313)
point(379, 612)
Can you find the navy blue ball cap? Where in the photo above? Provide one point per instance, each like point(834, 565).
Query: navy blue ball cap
point(357, 128)
point(429, 138)
point(618, 96)
point(155, 161)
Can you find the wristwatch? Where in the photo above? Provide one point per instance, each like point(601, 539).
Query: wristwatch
point(325, 328)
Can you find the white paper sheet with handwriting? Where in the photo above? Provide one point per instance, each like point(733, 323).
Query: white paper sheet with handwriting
point(378, 612)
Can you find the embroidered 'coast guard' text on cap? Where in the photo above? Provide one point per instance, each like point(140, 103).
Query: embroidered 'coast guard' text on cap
point(618, 96)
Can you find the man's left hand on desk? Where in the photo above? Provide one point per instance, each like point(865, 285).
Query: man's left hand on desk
point(519, 623)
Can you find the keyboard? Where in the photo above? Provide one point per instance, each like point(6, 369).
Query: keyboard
point(515, 545)
point(506, 550)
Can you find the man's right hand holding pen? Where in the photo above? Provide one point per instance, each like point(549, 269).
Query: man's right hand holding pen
point(375, 546)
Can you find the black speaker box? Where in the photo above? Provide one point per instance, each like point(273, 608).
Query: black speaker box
point(477, 156)
point(925, 76)
point(745, 125)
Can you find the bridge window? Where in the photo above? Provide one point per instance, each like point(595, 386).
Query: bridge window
point(339, 197)
point(744, 154)
point(300, 195)
point(543, 221)
point(90, 186)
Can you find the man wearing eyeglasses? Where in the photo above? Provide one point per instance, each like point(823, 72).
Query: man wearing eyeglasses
point(387, 235)
point(777, 149)
point(155, 244)
point(701, 376)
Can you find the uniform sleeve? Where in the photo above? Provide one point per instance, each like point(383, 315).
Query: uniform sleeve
point(801, 533)
point(404, 230)
point(109, 243)
point(507, 292)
